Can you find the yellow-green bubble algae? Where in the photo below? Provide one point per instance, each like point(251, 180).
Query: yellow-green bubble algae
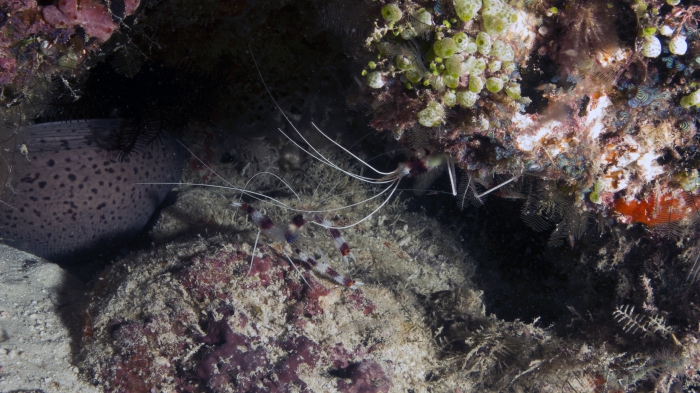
point(457, 54)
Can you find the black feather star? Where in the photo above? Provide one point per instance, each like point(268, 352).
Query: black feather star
point(156, 101)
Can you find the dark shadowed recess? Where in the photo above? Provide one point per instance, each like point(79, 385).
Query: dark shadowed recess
point(522, 278)
point(574, 289)
point(156, 100)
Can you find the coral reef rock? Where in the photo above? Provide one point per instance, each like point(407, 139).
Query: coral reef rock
point(198, 314)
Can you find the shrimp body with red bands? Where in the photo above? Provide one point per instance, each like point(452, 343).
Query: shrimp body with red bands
point(291, 235)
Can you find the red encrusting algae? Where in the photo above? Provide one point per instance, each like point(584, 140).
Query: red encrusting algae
point(95, 18)
point(653, 210)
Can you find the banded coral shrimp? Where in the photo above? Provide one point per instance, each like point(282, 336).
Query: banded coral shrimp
point(392, 247)
point(332, 182)
point(327, 189)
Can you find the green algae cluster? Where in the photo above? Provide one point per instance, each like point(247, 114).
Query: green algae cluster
point(452, 62)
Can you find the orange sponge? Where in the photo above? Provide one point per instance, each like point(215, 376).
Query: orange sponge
point(654, 210)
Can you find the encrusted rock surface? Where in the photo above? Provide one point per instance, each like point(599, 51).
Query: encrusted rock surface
point(190, 316)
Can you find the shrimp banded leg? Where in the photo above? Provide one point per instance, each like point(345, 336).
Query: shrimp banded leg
point(290, 236)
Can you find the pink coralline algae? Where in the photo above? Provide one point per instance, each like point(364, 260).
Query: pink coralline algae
point(208, 323)
point(27, 44)
point(93, 17)
point(38, 42)
point(7, 68)
point(239, 362)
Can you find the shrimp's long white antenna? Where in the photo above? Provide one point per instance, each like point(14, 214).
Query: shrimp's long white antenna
point(453, 175)
point(231, 187)
point(369, 215)
point(267, 199)
point(348, 151)
point(205, 165)
point(693, 274)
point(323, 158)
point(295, 267)
point(266, 173)
point(328, 162)
point(252, 194)
point(466, 190)
point(278, 178)
point(496, 187)
point(267, 89)
point(398, 189)
point(252, 256)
